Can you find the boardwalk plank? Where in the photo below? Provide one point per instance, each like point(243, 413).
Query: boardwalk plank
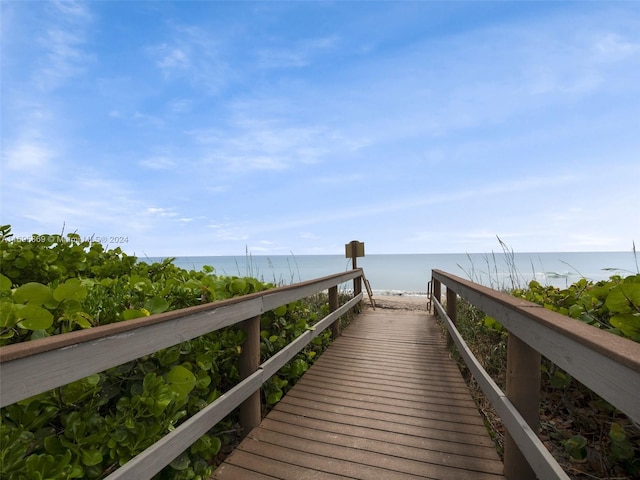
point(363, 452)
point(397, 407)
point(385, 401)
point(410, 439)
point(436, 398)
point(323, 389)
point(419, 421)
point(362, 442)
point(390, 383)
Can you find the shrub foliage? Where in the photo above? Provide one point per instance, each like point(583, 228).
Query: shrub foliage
point(585, 433)
point(54, 284)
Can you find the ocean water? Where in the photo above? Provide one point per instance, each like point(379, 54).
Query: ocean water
point(409, 274)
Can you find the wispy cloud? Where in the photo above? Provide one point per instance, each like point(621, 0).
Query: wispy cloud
point(301, 54)
point(161, 212)
point(27, 157)
point(501, 125)
point(267, 135)
point(63, 45)
point(194, 55)
point(158, 163)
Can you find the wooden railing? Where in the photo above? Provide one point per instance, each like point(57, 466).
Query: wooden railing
point(34, 367)
point(607, 364)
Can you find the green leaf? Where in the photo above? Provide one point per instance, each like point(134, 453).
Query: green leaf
point(7, 314)
point(216, 445)
point(5, 284)
point(621, 447)
point(576, 447)
point(168, 356)
point(134, 313)
point(274, 397)
point(616, 432)
point(72, 289)
point(237, 286)
point(181, 380)
point(91, 457)
point(83, 319)
point(625, 298)
point(39, 334)
point(298, 367)
point(33, 317)
point(280, 311)
point(34, 293)
point(492, 324)
point(80, 389)
point(628, 323)
point(52, 445)
point(156, 305)
point(182, 462)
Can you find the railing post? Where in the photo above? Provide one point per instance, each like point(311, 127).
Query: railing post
point(333, 306)
point(357, 282)
point(523, 390)
point(250, 409)
point(437, 294)
point(452, 312)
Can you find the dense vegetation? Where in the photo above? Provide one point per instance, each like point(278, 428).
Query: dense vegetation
point(53, 284)
point(589, 437)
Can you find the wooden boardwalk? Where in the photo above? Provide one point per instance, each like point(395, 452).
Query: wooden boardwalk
point(384, 402)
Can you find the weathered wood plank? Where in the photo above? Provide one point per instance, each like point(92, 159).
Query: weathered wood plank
point(386, 383)
point(363, 411)
point(398, 459)
point(459, 408)
point(421, 431)
point(251, 462)
point(411, 439)
point(398, 406)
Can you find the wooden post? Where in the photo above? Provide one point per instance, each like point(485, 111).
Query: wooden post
point(452, 312)
point(523, 390)
point(250, 409)
point(437, 294)
point(333, 306)
point(357, 282)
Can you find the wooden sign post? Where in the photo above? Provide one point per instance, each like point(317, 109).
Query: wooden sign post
point(353, 250)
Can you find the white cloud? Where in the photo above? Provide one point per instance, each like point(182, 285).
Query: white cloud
point(613, 47)
point(180, 105)
point(27, 157)
point(161, 212)
point(229, 232)
point(158, 163)
point(64, 55)
point(145, 120)
point(194, 55)
point(172, 58)
point(300, 54)
point(72, 9)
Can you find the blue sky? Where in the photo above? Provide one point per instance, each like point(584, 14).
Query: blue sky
point(208, 128)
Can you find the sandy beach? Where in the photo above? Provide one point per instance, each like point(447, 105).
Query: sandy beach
point(398, 302)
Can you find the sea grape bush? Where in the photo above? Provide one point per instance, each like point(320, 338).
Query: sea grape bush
point(89, 428)
point(613, 305)
point(590, 426)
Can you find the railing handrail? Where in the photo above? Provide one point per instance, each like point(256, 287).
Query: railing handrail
point(607, 364)
point(61, 359)
point(35, 367)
